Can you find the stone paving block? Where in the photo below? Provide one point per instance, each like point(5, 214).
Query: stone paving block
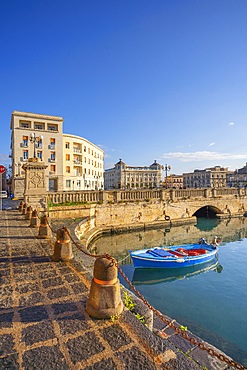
point(9, 362)
point(6, 302)
point(79, 288)
point(83, 347)
point(59, 308)
point(58, 293)
point(47, 274)
point(71, 278)
point(32, 299)
point(27, 287)
point(135, 359)
point(6, 290)
point(115, 336)
point(6, 320)
point(54, 281)
point(44, 358)
point(38, 333)
point(7, 344)
point(73, 324)
point(33, 314)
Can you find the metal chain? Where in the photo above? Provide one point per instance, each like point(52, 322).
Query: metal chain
point(179, 331)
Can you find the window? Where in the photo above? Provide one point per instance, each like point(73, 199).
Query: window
point(67, 157)
point(88, 150)
point(25, 154)
point(53, 156)
point(78, 183)
point(68, 183)
point(52, 127)
point(52, 143)
point(25, 141)
point(67, 145)
point(39, 143)
point(85, 149)
point(39, 154)
point(67, 169)
point(53, 168)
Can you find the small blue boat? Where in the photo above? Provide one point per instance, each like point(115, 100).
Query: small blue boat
point(175, 256)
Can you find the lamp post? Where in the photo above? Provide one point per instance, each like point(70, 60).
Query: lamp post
point(34, 139)
point(167, 168)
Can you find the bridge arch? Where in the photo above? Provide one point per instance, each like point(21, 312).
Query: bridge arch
point(207, 211)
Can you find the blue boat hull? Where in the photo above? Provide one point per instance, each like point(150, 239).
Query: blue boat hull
point(163, 257)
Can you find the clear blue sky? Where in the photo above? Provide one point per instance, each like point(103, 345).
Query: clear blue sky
point(144, 80)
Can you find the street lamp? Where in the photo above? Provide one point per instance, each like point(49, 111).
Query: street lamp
point(167, 168)
point(34, 139)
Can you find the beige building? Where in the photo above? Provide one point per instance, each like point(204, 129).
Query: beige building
point(129, 177)
point(73, 162)
point(83, 164)
point(173, 181)
point(237, 178)
point(214, 177)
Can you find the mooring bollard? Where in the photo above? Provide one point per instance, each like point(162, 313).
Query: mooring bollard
point(24, 208)
point(62, 248)
point(44, 229)
point(21, 206)
point(34, 221)
point(28, 214)
point(104, 298)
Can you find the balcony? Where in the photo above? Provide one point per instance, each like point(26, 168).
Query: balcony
point(77, 162)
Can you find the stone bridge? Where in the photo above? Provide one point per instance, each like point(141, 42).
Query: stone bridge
point(131, 207)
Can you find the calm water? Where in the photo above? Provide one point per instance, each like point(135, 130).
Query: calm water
point(212, 301)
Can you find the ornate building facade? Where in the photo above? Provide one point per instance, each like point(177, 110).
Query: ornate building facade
point(122, 176)
point(214, 177)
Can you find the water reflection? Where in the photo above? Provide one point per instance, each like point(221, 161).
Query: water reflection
point(118, 244)
point(156, 276)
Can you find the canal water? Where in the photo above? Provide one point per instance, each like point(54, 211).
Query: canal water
point(211, 300)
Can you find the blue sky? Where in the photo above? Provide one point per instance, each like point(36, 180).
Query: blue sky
point(144, 80)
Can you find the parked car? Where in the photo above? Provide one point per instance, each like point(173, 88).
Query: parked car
point(3, 194)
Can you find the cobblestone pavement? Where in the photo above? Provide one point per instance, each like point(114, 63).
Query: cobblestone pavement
point(44, 325)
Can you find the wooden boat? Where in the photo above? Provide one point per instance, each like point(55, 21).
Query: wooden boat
point(175, 256)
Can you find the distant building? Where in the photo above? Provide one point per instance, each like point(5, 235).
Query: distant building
point(237, 178)
point(214, 177)
point(129, 177)
point(74, 163)
point(173, 181)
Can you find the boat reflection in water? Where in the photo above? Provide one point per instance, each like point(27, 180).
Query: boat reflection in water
point(152, 276)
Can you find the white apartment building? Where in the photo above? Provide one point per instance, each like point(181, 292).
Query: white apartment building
point(73, 162)
point(129, 177)
point(82, 163)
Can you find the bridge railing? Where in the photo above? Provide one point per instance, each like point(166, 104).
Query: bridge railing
point(116, 196)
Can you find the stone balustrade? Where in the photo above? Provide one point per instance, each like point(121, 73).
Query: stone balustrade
point(118, 196)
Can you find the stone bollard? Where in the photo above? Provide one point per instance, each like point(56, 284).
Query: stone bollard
point(44, 229)
point(62, 248)
point(24, 208)
point(34, 221)
point(21, 206)
point(104, 298)
point(28, 214)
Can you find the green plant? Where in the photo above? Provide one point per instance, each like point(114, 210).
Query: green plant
point(130, 305)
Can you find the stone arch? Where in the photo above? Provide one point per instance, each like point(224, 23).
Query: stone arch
point(208, 211)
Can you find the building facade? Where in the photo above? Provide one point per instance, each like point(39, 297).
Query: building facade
point(237, 178)
point(214, 177)
point(173, 182)
point(69, 166)
point(122, 176)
